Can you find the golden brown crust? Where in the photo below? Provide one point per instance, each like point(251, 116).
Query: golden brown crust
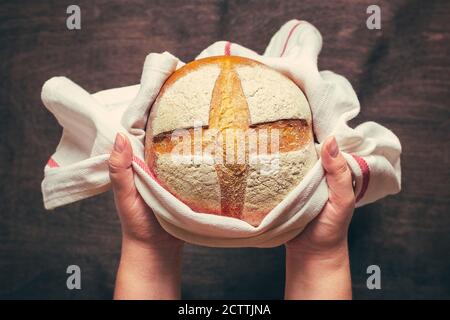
point(228, 113)
point(194, 65)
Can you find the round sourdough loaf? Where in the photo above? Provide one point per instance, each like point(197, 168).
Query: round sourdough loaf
point(230, 136)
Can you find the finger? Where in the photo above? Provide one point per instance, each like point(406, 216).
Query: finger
point(120, 171)
point(338, 175)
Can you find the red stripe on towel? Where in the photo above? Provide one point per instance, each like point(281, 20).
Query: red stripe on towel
point(289, 36)
point(228, 48)
point(52, 163)
point(365, 176)
point(143, 166)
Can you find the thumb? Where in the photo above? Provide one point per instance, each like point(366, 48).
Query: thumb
point(338, 175)
point(120, 171)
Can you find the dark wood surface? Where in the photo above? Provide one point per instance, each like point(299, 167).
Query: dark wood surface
point(401, 74)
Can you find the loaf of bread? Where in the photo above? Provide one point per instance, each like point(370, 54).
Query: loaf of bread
point(230, 136)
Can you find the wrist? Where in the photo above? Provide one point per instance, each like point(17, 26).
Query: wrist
point(318, 264)
point(148, 272)
point(323, 274)
point(333, 254)
point(143, 252)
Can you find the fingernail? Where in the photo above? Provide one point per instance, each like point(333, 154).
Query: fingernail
point(333, 148)
point(119, 143)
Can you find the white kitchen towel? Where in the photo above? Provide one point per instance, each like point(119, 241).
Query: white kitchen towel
point(78, 169)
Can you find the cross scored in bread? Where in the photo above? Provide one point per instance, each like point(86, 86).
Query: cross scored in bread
point(230, 117)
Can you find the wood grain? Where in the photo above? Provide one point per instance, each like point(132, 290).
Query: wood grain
point(401, 74)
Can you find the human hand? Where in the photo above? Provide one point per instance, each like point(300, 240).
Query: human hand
point(317, 261)
point(328, 231)
point(151, 258)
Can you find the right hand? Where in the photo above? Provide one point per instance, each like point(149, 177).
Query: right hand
point(139, 224)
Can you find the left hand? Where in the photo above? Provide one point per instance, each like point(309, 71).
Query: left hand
point(328, 231)
point(317, 260)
